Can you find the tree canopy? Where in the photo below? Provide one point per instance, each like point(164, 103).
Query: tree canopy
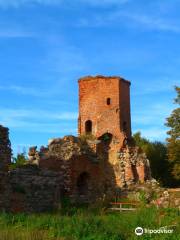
point(173, 141)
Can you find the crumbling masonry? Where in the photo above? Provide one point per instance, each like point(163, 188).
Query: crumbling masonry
point(98, 163)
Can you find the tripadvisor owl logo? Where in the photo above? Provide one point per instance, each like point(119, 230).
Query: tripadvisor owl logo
point(139, 231)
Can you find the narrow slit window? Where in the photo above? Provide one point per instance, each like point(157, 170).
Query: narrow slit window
point(108, 101)
point(124, 126)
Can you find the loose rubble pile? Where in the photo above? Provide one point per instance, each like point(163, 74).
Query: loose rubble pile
point(134, 166)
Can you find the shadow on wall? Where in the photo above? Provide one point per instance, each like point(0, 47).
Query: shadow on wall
point(89, 174)
point(82, 163)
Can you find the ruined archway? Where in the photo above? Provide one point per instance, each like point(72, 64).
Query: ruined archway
point(106, 138)
point(83, 183)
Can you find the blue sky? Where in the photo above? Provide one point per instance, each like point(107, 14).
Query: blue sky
point(46, 45)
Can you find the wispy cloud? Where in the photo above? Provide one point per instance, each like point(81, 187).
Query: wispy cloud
point(151, 22)
point(12, 33)
point(151, 115)
point(37, 120)
point(131, 19)
point(18, 3)
point(64, 59)
point(30, 91)
point(103, 2)
point(162, 85)
point(150, 121)
point(37, 114)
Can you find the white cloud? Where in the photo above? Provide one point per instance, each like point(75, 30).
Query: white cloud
point(36, 114)
point(11, 33)
point(154, 23)
point(30, 91)
point(150, 121)
point(18, 3)
point(161, 85)
point(64, 59)
point(104, 2)
point(39, 121)
point(131, 19)
point(151, 115)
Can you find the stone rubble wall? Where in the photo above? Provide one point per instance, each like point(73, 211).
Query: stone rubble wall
point(134, 166)
point(30, 189)
point(70, 156)
point(5, 148)
point(5, 190)
point(53, 172)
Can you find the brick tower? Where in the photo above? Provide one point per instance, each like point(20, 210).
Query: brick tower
point(104, 107)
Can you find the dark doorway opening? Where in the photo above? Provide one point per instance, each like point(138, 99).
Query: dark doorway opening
point(88, 127)
point(83, 183)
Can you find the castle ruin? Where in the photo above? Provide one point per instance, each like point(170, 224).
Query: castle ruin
point(98, 163)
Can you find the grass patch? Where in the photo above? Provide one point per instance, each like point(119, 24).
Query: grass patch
point(88, 224)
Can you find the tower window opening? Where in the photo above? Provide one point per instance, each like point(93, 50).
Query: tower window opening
point(124, 126)
point(108, 101)
point(88, 127)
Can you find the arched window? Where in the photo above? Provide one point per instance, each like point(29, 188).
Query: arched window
point(88, 126)
point(108, 101)
point(106, 138)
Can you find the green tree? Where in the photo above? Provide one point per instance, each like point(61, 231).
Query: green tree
point(142, 142)
point(173, 141)
point(19, 160)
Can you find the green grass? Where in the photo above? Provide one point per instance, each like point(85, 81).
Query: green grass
point(88, 224)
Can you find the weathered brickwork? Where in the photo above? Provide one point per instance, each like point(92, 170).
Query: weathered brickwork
point(34, 189)
point(30, 189)
point(82, 169)
point(92, 168)
point(104, 102)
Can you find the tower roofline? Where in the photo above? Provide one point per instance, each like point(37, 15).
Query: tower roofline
point(89, 78)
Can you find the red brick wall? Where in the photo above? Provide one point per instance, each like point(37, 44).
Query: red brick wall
point(93, 94)
point(82, 164)
point(125, 115)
